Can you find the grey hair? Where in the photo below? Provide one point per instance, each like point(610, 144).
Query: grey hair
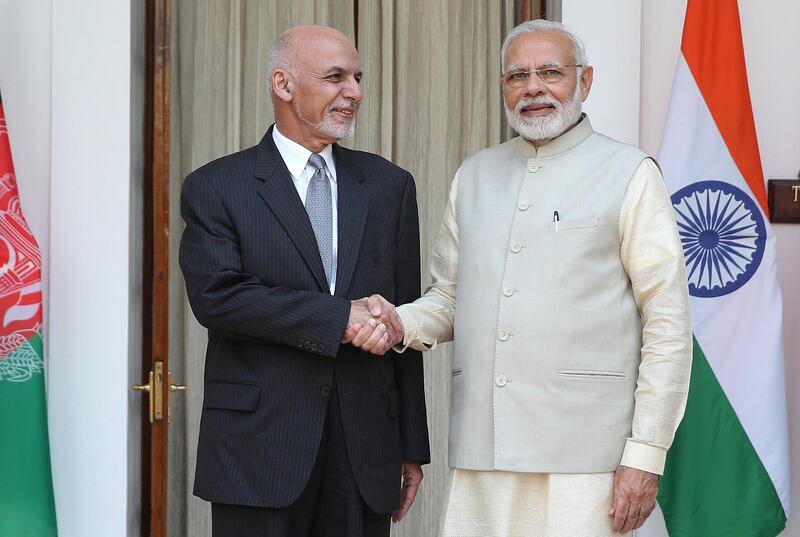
point(281, 57)
point(541, 25)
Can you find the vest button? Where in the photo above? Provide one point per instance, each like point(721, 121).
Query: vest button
point(516, 247)
point(503, 334)
point(507, 291)
point(524, 205)
point(500, 380)
point(325, 390)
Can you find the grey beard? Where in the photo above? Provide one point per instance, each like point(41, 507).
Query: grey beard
point(546, 127)
point(329, 126)
point(334, 129)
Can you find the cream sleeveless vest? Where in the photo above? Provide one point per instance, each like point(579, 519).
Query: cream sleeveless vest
point(547, 334)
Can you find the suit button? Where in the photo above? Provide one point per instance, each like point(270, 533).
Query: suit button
point(516, 247)
point(300, 343)
point(325, 390)
point(307, 345)
point(320, 348)
point(500, 380)
point(314, 347)
point(524, 205)
point(532, 166)
point(507, 291)
point(503, 334)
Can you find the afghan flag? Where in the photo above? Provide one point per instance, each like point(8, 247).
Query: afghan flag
point(727, 472)
point(26, 489)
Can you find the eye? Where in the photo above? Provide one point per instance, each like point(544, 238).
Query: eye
point(551, 72)
point(358, 78)
point(336, 77)
point(518, 75)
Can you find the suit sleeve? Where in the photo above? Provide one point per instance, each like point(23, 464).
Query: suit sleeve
point(408, 367)
point(224, 298)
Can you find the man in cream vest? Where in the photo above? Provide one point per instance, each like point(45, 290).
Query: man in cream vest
point(559, 274)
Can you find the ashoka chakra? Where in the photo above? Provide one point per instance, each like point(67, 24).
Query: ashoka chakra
point(723, 236)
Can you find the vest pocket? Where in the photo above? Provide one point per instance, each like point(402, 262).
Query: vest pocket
point(580, 223)
point(589, 374)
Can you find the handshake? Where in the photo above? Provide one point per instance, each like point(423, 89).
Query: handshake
point(373, 325)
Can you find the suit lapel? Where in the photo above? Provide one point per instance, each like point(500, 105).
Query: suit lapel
point(278, 191)
point(353, 206)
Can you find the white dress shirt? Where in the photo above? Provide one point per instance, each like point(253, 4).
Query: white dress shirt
point(295, 156)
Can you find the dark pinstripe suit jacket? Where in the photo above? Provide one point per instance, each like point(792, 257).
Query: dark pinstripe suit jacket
point(255, 279)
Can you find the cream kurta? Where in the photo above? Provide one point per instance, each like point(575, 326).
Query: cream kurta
point(648, 245)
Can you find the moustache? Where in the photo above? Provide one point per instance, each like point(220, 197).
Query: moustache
point(549, 101)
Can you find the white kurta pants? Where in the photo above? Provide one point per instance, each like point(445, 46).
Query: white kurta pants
point(511, 504)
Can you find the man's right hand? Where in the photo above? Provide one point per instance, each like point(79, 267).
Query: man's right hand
point(374, 325)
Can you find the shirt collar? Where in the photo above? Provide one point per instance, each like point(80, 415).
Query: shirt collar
point(295, 156)
point(564, 142)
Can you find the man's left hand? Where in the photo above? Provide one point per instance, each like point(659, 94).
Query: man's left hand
point(634, 498)
point(412, 477)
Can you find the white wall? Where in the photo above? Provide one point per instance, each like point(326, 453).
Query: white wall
point(65, 73)
point(614, 51)
point(770, 38)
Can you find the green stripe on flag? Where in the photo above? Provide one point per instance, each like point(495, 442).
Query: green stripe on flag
point(26, 485)
point(714, 483)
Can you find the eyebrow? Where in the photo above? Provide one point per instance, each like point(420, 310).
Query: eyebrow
point(547, 63)
point(336, 69)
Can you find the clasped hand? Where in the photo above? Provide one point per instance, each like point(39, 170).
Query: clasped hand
point(374, 325)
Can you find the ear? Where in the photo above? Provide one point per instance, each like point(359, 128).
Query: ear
point(587, 75)
point(281, 85)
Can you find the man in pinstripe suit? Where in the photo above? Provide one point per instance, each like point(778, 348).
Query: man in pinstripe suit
point(300, 434)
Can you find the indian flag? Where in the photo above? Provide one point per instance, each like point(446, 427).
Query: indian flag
point(727, 472)
point(26, 490)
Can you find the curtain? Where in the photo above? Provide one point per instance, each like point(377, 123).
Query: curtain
point(431, 97)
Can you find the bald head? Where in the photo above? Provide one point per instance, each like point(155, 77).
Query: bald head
point(298, 42)
point(314, 82)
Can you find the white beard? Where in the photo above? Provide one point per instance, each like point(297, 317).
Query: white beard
point(549, 126)
point(330, 126)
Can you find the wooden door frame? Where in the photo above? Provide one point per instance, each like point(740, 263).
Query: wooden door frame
point(532, 9)
point(155, 273)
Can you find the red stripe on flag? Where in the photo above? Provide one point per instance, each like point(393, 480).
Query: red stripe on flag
point(712, 47)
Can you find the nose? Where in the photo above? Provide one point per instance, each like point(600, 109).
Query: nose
point(534, 85)
point(352, 90)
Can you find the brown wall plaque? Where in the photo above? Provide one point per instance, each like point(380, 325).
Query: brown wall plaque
point(784, 200)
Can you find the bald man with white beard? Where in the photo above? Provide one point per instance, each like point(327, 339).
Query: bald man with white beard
point(301, 435)
point(558, 272)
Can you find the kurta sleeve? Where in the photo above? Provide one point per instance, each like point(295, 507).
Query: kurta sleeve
point(652, 255)
point(428, 320)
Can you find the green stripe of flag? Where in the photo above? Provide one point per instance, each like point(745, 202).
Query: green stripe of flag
point(714, 483)
point(26, 486)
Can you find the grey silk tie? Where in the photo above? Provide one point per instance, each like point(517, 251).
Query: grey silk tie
point(318, 207)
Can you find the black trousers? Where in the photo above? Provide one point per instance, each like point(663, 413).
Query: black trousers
point(329, 506)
